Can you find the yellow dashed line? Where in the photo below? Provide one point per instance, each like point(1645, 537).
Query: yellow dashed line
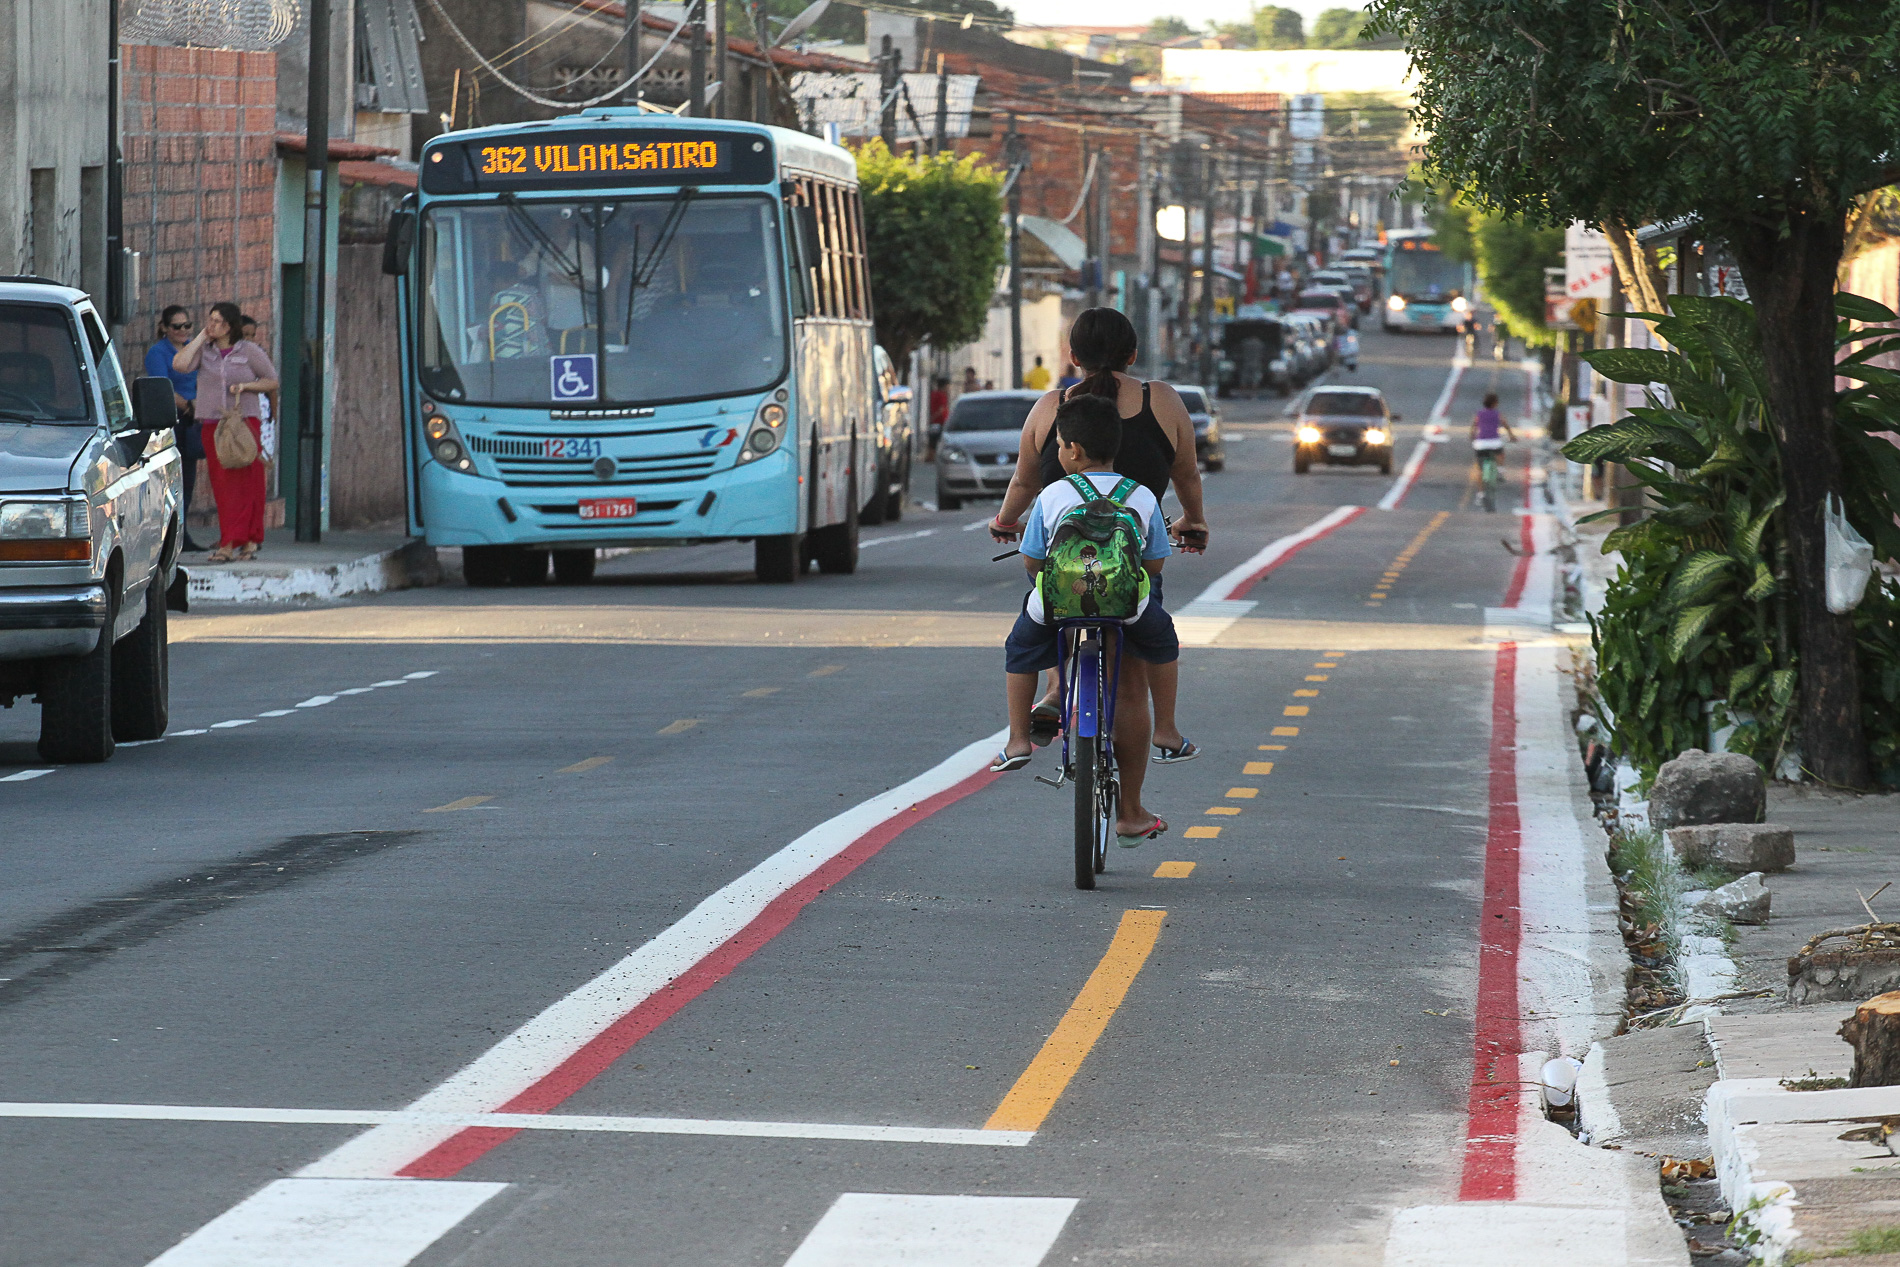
point(1305, 693)
point(1288, 731)
point(466, 802)
point(1246, 793)
point(1295, 710)
point(674, 728)
point(1202, 833)
point(1325, 664)
point(1319, 677)
point(758, 691)
point(1257, 767)
point(1274, 747)
point(1222, 809)
point(1174, 871)
point(826, 671)
point(581, 767)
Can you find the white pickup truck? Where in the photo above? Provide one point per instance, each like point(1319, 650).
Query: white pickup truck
point(90, 526)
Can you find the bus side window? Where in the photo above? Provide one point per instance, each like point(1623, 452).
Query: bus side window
point(853, 225)
point(833, 220)
point(804, 249)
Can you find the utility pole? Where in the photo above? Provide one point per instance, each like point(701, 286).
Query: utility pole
point(1104, 229)
point(118, 307)
point(635, 29)
point(316, 224)
point(942, 140)
point(1018, 159)
point(1147, 266)
point(888, 58)
point(1092, 264)
point(1211, 178)
point(696, 72)
point(719, 100)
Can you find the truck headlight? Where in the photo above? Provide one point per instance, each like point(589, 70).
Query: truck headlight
point(46, 531)
point(1396, 303)
point(1309, 435)
point(1460, 304)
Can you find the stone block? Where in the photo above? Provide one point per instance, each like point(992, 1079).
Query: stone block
point(1737, 847)
point(1707, 787)
point(1842, 976)
point(1743, 901)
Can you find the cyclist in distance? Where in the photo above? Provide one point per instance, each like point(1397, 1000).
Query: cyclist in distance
point(1157, 449)
point(1088, 433)
point(1486, 444)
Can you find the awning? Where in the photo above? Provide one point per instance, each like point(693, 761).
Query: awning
point(1071, 250)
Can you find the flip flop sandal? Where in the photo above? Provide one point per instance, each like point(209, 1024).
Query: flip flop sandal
point(1131, 842)
point(223, 554)
point(247, 553)
point(1004, 763)
point(1169, 756)
point(1045, 723)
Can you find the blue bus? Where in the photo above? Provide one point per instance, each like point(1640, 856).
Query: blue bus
point(622, 328)
point(1425, 288)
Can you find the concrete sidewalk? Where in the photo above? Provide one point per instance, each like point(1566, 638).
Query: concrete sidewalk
point(342, 564)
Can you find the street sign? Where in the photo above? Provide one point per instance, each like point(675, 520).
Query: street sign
point(1722, 277)
point(573, 378)
point(1587, 265)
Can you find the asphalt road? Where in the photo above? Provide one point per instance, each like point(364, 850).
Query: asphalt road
point(339, 905)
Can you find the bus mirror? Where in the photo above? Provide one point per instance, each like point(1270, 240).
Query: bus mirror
point(401, 238)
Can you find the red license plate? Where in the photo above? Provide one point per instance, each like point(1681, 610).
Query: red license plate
point(609, 507)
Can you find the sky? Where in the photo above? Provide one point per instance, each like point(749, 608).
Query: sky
point(1138, 12)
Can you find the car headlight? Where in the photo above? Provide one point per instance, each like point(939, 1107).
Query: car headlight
point(954, 454)
point(46, 531)
point(1396, 303)
point(1375, 435)
point(1309, 435)
point(1460, 304)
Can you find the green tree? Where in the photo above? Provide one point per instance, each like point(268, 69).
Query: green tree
point(1337, 28)
point(1163, 29)
point(934, 234)
point(1276, 27)
point(1767, 121)
point(1510, 254)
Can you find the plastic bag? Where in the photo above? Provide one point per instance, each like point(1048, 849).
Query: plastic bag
point(1850, 560)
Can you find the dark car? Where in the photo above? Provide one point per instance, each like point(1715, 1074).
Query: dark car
point(1205, 414)
point(1344, 426)
point(977, 454)
point(893, 444)
point(1331, 303)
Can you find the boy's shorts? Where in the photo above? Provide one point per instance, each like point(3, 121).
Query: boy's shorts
point(1031, 647)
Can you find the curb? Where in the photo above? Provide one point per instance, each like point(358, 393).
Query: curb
point(410, 565)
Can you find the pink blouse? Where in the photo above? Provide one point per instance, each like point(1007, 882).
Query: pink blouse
point(218, 368)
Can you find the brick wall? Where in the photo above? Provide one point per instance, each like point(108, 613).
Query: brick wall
point(200, 183)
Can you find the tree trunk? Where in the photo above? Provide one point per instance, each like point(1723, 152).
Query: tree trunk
point(1874, 1030)
point(1791, 282)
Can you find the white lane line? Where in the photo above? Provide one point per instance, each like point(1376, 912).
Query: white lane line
point(328, 1222)
point(981, 523)
point(417, 677)
point(869, 1133)
point(547, 1042)
point(356, 690)
point(1403, 484)
point(886, 1229)
point(390, 682)
point(275, 712)
point(901, 536)
point(23, 775)
point(1239, 577)
point(232, 725)
point(180, 734)
point(317, 701)
point(1459, 365)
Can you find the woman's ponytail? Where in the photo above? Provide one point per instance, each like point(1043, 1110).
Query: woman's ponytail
point(1102, 341)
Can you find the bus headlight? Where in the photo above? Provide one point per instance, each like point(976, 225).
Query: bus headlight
point(1396, 303)
point(1460, 304)
point(768, 431)
point(445, 444)
point(1309, 435)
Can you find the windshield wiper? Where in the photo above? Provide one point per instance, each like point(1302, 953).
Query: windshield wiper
point(641, 276)
point(525, 221)
point(20, 415)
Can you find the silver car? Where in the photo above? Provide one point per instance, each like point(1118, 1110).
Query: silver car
point(89, 526)
point(977, 454)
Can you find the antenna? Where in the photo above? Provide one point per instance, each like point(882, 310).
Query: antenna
point(802, 23)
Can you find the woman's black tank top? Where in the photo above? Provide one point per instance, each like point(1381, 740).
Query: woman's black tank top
point(1146, 455)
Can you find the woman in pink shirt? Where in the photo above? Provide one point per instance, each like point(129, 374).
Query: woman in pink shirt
point(232, 373)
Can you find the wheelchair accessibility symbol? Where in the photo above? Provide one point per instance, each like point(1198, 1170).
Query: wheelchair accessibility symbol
point(574, 377)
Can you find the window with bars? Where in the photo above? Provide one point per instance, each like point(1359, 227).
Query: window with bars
point(839, 278)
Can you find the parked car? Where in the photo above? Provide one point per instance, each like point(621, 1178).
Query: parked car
point(90, 526)
point(893, 444)
point(977, 454)
point(1344, 426)
point(1314, 342)
point(1365, 287)
point(1256, 353)
point(1335, 302)
point(1209, 449)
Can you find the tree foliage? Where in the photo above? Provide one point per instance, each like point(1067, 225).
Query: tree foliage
point(1337, 28)
point(1511, 255)
point(934, 233)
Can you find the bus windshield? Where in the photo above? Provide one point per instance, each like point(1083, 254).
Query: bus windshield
point(1425, 275)
point(679, 297)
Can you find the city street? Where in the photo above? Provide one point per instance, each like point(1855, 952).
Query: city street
point(385, 839)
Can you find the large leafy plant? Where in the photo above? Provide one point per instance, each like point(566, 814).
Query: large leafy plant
point(1702, 609)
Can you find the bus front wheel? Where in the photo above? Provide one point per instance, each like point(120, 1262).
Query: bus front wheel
point(778, 560)
point(485, 567)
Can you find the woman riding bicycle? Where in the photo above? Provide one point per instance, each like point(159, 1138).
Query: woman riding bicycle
point(1157, 449)
point(1486, 444)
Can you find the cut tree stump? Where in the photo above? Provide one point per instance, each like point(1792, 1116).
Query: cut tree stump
point(1874, 1030)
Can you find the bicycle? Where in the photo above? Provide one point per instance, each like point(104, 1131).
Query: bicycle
point(1087, 674)
point(1489, 478)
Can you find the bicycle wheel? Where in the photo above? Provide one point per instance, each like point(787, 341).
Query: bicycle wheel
point(1107, 803)
point(1490, 477)
point(1088, 769)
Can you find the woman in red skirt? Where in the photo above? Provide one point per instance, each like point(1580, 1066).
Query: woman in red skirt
point(232, 372)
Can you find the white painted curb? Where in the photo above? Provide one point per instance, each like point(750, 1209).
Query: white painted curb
point(407, 565)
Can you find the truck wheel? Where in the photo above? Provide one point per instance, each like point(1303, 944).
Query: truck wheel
point(836, 547)
point(778, 560)
point(485, 567)
point(76, 700)
point(574, 567)
point(141, 674)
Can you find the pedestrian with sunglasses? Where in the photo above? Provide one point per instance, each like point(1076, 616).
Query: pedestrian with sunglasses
point(174, 331)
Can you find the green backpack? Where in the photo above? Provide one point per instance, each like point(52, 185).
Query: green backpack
point(1094, 566)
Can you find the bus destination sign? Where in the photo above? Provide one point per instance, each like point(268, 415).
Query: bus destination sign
point(596, 159)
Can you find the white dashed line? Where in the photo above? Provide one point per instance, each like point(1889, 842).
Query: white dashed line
point(275, 712)
point(317, 701)
point(902, 536)
point(180, 734)
point(417, 677)
point(231, 725)
point(356, 690)
point(390, 682)
point(23, 776)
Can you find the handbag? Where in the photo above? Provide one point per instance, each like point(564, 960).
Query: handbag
point(233, 442)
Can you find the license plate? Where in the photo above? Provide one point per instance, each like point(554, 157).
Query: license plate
point(1342, 450)
point(609, 507)
point(570, 447)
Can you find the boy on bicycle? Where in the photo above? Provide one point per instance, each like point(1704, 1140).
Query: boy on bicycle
point(1088, 431)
